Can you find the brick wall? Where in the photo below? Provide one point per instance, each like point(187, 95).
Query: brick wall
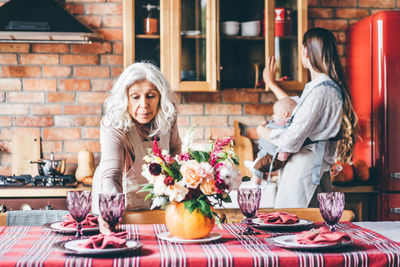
point(57, 90)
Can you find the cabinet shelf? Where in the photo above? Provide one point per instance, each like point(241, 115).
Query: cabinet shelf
point(147, 36)
point(194, 36)
point(252, 38)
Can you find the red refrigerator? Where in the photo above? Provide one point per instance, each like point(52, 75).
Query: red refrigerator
point(373, 69)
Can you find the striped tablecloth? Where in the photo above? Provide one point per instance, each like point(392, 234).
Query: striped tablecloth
point(32, 246)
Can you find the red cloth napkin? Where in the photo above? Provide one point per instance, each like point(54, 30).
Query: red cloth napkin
point(90, 222)
point(101, 241)
point(321, 236)
point(278, 217)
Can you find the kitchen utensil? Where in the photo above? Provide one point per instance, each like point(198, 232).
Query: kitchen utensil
point(256, 74)
point(50, 167)
point(243, 148)
point(251, 28)
point(230, 28)
point(25, 148)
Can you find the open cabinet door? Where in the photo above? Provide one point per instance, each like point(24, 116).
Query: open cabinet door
point(194, 56)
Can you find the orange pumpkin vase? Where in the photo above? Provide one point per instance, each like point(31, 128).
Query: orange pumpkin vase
point(183, 224)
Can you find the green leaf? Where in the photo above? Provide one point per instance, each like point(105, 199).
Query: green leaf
point(200, 156)
point(149, 195)
point(146, 188)
point(217, 219)
point(227, 199)
point(165, 168)
point(209, 147)
point(175, 168)
point(205, 208)
point(191, 205)
point(235, 159)
point(246, 178)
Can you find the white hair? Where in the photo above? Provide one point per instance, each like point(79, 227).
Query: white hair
point(116, 105)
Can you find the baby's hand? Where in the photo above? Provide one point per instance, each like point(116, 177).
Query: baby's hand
point(260, 128)
point(283, 156)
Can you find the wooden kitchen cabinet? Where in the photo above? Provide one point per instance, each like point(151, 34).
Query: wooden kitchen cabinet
point(139, 45)
point(195, 53)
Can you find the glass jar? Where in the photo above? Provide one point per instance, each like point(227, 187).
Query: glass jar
point(150, 21)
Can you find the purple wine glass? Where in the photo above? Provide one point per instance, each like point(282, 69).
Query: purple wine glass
point(331, 206)
point(79, 204)
point(112, 207)
point(249, 202)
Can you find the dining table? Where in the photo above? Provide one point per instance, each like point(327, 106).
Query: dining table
point(37, 246)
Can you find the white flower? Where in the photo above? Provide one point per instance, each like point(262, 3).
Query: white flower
point(229, 172)
point(176, 192)
point(158, 201)
point(187, 140)
point(207, 170)
point(147, 159)
point(146, 174)
point(159, 186)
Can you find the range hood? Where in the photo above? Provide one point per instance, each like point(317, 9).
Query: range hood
point(41, 21)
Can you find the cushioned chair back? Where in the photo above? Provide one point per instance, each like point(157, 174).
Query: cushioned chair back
point(144, 217)
point(34, 217)
point(3, 219)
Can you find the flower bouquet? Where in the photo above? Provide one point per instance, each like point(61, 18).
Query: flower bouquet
point(191, 183)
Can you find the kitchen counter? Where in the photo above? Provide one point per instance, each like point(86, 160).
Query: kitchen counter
point(14, 198)
point(17, 192)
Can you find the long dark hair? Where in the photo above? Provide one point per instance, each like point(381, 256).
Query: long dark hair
point(322, 52)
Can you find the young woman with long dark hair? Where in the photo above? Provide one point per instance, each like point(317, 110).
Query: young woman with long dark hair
point(323, 127)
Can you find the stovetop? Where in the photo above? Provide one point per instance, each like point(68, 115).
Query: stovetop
point(38, 181)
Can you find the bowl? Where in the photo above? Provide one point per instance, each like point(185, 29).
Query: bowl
point(230, 28)
point(251, 28)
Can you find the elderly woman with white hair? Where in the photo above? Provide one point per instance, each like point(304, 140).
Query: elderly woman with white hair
point(139, 109)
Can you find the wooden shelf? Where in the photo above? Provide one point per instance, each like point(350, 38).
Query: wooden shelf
point(200, 36)
point(239, 37)
point(355, 189)
point(147, 36)
point(291, 38)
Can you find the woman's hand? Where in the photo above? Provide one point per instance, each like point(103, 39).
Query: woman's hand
point(269, 73)
point(104, 226)
point(269, 79)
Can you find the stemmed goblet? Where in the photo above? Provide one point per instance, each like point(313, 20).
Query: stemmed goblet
point(331, 206)
point(249, 202)
point(79, 204)
point(112, 207)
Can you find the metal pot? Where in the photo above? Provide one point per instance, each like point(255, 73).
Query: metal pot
point(50, 167)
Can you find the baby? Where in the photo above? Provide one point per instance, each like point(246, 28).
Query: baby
point(266, 161)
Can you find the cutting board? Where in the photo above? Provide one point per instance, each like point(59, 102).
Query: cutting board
point(243, 148)
point(25, 148)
